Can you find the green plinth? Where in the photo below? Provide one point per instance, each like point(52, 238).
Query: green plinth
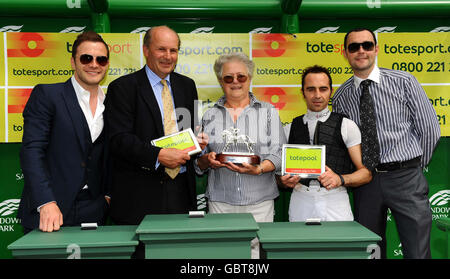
point(330, 240)
point(444, 225)
point(215, 236)
point(106, 242)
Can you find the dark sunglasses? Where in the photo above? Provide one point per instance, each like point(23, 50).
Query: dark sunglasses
point(87, 58)
point(230, 79)
point(367, 46)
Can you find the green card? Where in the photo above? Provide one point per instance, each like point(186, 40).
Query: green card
point(307, 161)
point(184, 140)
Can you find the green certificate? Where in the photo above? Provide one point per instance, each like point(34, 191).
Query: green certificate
point(184, 140)
point(307, 161)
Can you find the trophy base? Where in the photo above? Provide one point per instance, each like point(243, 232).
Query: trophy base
point(238, 159)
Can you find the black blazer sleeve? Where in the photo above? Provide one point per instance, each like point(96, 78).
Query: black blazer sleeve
point(124, 118)
point(38, 115)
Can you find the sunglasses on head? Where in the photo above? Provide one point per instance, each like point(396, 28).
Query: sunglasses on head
point(87, 58)
point(230, 78)
point(367, 46)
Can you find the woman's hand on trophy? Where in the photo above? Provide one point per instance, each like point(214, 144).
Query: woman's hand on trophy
point(213, 162)
point(244, 168)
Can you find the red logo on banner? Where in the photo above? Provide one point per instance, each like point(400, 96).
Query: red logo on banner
point(273, 45)
point(26, 45)
point(275, 96)
point(17, 99)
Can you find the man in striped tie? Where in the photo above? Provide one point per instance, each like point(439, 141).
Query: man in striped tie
point(140, 107)
point(400, 131)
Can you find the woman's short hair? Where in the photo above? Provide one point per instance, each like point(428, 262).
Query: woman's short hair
point(233, 57)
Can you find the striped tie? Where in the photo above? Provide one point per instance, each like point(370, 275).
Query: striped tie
point(169, 121)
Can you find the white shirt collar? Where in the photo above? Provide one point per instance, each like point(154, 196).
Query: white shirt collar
point(83, 94)
point(95, 122)
point(373, 76)
point(317, 115)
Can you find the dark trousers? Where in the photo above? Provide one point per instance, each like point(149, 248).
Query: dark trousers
point(176, 194)
point(85, 209)
point(405, 193)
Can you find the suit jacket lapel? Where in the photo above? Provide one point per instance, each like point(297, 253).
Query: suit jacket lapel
point(76, 114)
point(146, 91)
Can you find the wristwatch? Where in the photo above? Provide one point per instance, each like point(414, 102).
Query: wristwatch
point(342, 180)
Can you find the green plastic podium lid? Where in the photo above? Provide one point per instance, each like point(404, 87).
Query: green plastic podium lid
point(103, 236)
point(182, 223)
point(326, 232)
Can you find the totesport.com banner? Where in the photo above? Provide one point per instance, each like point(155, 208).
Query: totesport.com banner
point(33, 58)
point(27, 59)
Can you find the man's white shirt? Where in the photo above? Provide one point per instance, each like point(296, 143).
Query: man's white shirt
point(95, 122)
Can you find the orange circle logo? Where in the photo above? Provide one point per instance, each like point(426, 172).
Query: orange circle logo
point(275, 96)
point(274, 44)
point(32, 42)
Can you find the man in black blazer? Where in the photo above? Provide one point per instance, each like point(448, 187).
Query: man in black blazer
point(134, 117)
point(63, 152)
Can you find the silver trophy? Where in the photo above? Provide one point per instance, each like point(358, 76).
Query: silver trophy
point(231, 137)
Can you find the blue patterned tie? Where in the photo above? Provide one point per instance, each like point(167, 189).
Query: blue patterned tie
point(369, 138)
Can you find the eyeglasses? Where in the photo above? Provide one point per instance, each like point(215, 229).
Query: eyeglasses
point(87, 58)
point(367, 46)
point(239, 77)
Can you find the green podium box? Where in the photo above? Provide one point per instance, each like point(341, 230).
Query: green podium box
point(444, 225)
point(106, 242)
point(330, 240)
point(214, 236)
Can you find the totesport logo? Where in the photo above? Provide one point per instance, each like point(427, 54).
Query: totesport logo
point(29, 45)
point(275, 45)
point(270, 45)
point(8, 207)
point(277, 96)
